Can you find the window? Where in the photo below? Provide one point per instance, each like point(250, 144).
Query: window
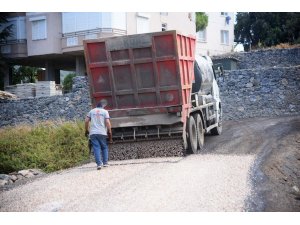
point(22, 28)
point(39, 29)
point(84, 21)
point(224, 13)
point(192, 16)
point(202, 35)
point(14, 30)
point(73, 22)
point(164, 27)
point(18, 31)
point(225, 37)
point(142, 25)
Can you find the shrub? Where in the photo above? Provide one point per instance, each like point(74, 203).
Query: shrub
point(49, 146)
point(68, 82)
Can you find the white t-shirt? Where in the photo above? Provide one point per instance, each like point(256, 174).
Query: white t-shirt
point(97, 124)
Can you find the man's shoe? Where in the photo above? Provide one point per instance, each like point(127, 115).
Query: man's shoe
point(106, 165)
point(99, 167)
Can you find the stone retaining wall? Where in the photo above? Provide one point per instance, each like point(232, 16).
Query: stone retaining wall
point(269, 58)
point(265, 58)
point(256, 92)
point(71, 106)
point(260, 92)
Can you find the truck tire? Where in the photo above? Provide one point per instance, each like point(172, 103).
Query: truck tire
point(200, 132)
point(218, 130)
point(192, 137)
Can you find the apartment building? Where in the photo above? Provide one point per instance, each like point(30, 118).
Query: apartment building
point(218, 37)
point(54, 41)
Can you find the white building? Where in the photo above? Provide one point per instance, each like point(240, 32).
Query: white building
point(54, 41)
point(218, 37)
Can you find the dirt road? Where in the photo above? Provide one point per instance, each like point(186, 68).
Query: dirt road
point(252, 166)
point(275, 174)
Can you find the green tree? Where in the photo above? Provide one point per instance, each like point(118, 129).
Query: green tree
point(25, 74)
point(68, 82)
point(5, 31)
point(201, 21)
point(266, 28)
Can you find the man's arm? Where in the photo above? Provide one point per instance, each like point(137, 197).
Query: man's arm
point(86, 123)
point(108, 125)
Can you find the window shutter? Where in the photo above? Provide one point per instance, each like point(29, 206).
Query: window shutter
point(143, 25)
point(224, 37)
point(35, 30)
point(202, 35)
point(39, 30)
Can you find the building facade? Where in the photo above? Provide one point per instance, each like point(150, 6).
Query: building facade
point(54, 41)
point(218, 37)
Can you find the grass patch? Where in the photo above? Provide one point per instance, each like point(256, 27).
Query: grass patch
point(49, 146)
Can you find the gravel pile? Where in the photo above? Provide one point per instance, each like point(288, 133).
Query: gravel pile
point(146, 149)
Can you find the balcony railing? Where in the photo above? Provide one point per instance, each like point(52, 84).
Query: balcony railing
point(94, 31)
point(14, 41)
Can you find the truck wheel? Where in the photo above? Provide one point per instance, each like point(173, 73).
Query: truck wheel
point(218, 130)
point(192, 140)
point(200, 132)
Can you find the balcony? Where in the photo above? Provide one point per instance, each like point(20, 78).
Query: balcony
point(73, 41)
point(16, 48)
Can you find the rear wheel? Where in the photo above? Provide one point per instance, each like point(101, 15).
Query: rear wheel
point(200, 132)
point(192, 136)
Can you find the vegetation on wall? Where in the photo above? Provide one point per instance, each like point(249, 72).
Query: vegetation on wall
point(265, 29)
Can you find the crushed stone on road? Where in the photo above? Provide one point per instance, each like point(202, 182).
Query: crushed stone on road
point(193, 183)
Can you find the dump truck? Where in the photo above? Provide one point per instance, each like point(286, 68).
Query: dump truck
point(161, 97)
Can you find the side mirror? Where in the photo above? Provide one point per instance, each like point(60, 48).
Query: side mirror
point(220, 70)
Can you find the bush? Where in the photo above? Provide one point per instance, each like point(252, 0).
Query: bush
point(68, 82)
point(49, 146)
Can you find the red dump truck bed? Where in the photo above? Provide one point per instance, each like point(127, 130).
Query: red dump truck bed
point(143, 74)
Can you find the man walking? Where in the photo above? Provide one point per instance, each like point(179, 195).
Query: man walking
point(97, 126)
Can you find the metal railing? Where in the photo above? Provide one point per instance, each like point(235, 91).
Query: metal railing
point(94, 31)
point(14, 41)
